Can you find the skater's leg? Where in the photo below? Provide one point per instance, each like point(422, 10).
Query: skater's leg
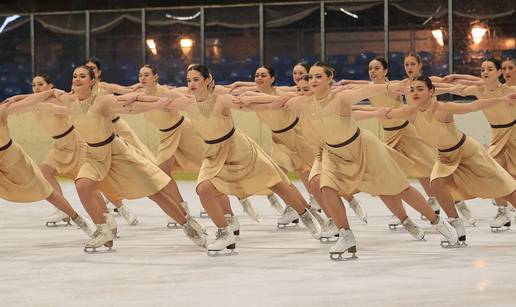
point(50, 175)
point(335, 207)
point(425, 183)
point(86, 189)
point(393, 203)
point(412, 197)
point(207, 193)
point(173, 190)
point(444, 197)
point(170, 207)
point(291, 196)
point(57, 199)
point(315, 187)
point(169, 191)
point(225, 204)
point(303, 175)
point(511, 198)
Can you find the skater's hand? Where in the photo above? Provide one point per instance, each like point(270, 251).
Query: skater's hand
point(136, 86)
point(399, 88)
point(58, 93)
point(511, 98)
point(128, 99)
point(280, 102)
point(382, 112)
point(164, 104)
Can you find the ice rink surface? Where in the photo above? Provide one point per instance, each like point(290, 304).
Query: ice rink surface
point(156, 266)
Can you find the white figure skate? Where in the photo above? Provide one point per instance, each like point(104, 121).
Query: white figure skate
point(224, 239)
point(502, 220)
point(413, 229)
point(458, 226)
point(275, 203)
point(345, 243)
point(194, 231)
point(311, 223)
point(329, 233)
point(318, 216)
point(111, 222)
point(249, 209)
point(447, 231)
point(465, 213)
point(359, 210)
point(394, 222)
point(314, 204)
point(81, 223)
point(56, 217)
point(432, 201)
point(101, 237)
point(288, 217)
point(233, 224)
point(128, 215)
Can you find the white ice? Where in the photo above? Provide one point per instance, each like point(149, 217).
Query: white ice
point(156, 266)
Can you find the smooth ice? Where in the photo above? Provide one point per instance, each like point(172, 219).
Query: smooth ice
point(156, 266)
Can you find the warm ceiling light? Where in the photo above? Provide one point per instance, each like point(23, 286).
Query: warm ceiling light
point(186, 43)
point(439, 36)
point(152, 46)
point(478, 30)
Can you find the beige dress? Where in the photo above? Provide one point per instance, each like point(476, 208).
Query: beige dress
point(123, 130)
point(473, 172)
point(177, 139)
point(402, 136)
point(352, 159)
point(115, 162)
point(20, 178)
point(236, 166)
point(502, 118)
point(289, 149)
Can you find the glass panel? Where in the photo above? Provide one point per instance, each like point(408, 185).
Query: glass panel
point(176, 36)
point(116, 41)
point(292, 34)
point(15, 60)
point(423, 29)
point(482, 30)
point(232, 43)
point(354, 36)
point(60, 42)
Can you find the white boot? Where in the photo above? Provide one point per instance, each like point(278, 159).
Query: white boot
point(501, 219)
point(359, 210)
point(111, 222)
point(458, 225)
point(233, 224)
point(101, 237)
point(275, 203)
point(413, 229)
point(318, 217)
point(314, 204)
point(192, 230)
point(394, 222)
point(289, 216)
point(81, 223)
point(56, 217)
point(345, 243)
point(465, 213)
point(249, 209)
point(432, 201)
point(329, 232)
point(128, 215)
point(311, 223)
point(224, 238)
point(184, 204)
point(447, 231)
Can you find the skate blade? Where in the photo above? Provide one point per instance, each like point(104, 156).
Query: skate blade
point(447, 244)
point(499, 229)
point(58, 224)
point(393, 226)
point(173, 226)
point(134, 223)
point(339, 256)
point(290, 225)
point(328, 240)
point(228, 251)
point(203, 215)
point(106, 248)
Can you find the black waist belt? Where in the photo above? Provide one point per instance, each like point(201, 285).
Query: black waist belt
point(504, 125)
point(105, 142)
point(62, 135)
point(222, 139)
point(294, 123)
point(6, 145)
point(459, 144)
point(114, 120)
point(405, 124)
point(348, 141)
point(179, 122)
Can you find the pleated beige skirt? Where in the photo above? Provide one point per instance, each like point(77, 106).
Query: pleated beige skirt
point(503, 147)
point(20, 178)
point(474, 173)
point(292, 152)
point(123, 130)
point(238, 166)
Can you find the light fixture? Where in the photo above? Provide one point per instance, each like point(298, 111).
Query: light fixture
point(478, 30)
point(152, 46)
point(186, 42)
point(7, 21)
point(438, 34)
point(349, 13)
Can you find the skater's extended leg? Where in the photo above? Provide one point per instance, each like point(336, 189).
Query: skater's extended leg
point(209, 200)
point(444, 197)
